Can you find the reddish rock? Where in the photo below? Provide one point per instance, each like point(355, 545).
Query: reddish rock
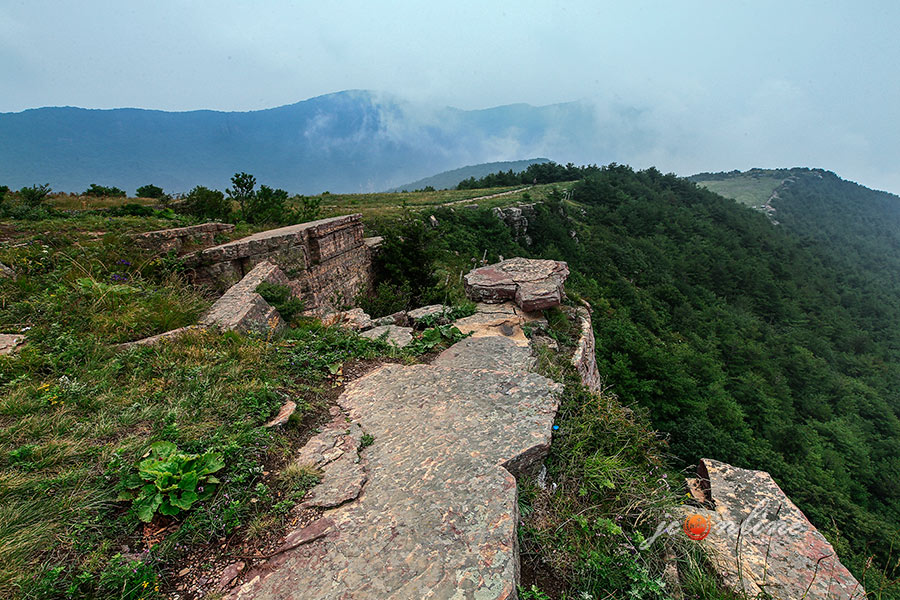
point(10, 342)
point(242, 309)
point(533, 284)
point(436, 516)
point(284, 414)
point(175, 240)
point(760, 540)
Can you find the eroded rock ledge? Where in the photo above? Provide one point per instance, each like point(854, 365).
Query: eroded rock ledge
point(760, 540)
point(428, 510)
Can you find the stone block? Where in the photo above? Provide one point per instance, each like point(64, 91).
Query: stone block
point(242, 309)
point(533, 284)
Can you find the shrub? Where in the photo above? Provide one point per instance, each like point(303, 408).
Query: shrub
point(4, 190)
point(309, 208)
point(206, 203)
point(266, 206)
point(385, 299)
point(407, 258)
point(100, 191)
point(170, 481)
point(150, 191)
point(34, 196)
point(282, 299)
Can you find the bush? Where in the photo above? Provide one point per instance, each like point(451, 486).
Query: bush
point(266, 206)
point(100, 191)
point(34, 196)
point(385, 299)
point(206, 203)
point(282, 299)
point(309, 208)
point(4, 190)
point(150, 191)
point(170, 481)
point(406, 260)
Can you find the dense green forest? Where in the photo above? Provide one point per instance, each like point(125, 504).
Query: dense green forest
point(769, 347)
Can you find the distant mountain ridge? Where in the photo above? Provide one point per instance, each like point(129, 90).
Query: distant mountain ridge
point(352, 141)
point(450, 179)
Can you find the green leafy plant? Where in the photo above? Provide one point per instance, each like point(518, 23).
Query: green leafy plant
point(169, 481)
point(366, 440)
point(431, 338)
point(282, 299)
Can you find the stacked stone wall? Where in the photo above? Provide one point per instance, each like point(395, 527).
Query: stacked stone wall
point(328, 261)
point(180, 238)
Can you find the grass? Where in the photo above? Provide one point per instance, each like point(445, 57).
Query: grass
point(607, 487)
point(751, 190)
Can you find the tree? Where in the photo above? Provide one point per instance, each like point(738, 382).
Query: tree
point(150, 191)
point(242, 190)
point(35, 195)
point(206, 203)
point(99, 191)
point(266, 206)
point(4, 190)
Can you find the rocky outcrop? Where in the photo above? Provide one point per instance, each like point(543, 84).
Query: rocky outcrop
point(242, 309)
point(418, 487)
point(498, 320)
point(533, 284)
point(392, 334)
point(10, 342)
point(584, 358)
point(516, 218)
point(328, 260)
point(760, 541)
point(181, 238)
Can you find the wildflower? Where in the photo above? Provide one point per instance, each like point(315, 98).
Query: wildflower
point(145, 584)
point(122, 261)
point(44, 386)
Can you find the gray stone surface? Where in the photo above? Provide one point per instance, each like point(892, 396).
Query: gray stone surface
point(533, 284)
point(355, 319)
point(505, 319)
point(162, 337)
point(6, 272)
point(10, 342)
point(328, 259)
point(584, 359)
point(436, 310)
point(179, 238)
point(399, 336)
point(436, 516)
point(516, 218)
point(242, 309)
point(779, 551)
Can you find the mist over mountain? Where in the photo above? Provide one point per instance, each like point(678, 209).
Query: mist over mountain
point(352, 141)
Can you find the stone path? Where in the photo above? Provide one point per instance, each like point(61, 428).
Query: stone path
point(429, 509)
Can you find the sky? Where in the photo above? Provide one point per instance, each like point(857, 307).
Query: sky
point(718, 85)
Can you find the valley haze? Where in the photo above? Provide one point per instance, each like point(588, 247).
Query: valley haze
point(345, 142)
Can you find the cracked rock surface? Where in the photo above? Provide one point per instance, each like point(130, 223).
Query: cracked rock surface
point(533, 284)
point(429, 509)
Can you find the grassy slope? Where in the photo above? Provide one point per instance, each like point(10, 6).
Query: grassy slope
point(76, 414)
point(751, 190)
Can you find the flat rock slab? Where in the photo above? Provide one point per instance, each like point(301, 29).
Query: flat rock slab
point(491, 353)
point(437, 514)
point(242, 309)
point(780, 549)
point(356, 319)
point(533, 284)
point(393, 334)
point(432, 310)
point(10, 342)
point(497, 320)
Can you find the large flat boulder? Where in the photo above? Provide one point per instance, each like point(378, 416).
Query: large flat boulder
point(242, 309)
point(759, 539)
point(437, 514)
point(533, 284)
point(181, 238)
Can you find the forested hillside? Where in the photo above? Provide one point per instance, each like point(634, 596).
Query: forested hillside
point(769, 347)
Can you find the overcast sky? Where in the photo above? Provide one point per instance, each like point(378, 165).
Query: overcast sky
point(721, 84)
